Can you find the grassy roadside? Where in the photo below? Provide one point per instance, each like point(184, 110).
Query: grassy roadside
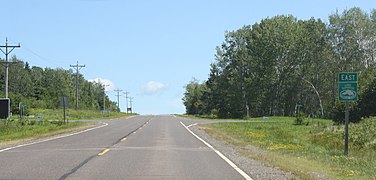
point(203, 117)
point(14, 132)
point(311, 151)
point(57, 114)
point(188, 116)
point(47, 122)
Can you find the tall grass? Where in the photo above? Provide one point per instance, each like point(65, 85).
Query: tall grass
point(57, 114)
point(14, 131)
point(316, 146)
point(47, 122)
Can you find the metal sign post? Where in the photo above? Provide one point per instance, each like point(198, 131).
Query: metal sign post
point(346, 152)
point(347, 92)
point(64, 103)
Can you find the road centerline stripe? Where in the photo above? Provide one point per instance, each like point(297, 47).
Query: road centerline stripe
point(104, 152)
point(228, 161)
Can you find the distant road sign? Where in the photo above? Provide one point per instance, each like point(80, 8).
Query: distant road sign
point(197, 104)
point(4, 108)
point(64, 101)
point(347, 86)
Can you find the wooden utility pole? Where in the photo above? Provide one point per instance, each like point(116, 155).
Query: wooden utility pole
point(104, 96)
point(78, 67)
point(131, 102)
point(126, 101)
point(118, 95)
point(6, 52)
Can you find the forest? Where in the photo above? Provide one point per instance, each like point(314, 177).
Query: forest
point(43, 88)
point(282, 64)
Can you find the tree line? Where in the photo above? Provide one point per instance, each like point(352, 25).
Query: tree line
point(43, 88)
point(283, 64)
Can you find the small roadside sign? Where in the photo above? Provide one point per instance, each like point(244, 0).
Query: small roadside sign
point(196, 104)
point(64, 101)
point(4, 108)
point(347, 86)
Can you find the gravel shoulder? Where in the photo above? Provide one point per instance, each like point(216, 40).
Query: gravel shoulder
point(254, 168)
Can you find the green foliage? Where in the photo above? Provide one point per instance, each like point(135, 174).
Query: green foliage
point(363, 135)
point(192, 97)
point(36, 87)
point(302, 150)
point(57, 114)
point(299, 119)
point(14, 130)
point(367, 102)
point(339, 110)
point(269, 67)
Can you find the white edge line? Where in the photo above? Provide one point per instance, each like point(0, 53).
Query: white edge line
point(50, 139)
point(240, 171)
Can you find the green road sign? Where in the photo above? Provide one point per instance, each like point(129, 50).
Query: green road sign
point(347, 86)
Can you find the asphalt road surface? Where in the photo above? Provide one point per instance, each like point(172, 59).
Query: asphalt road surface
point(141, 147)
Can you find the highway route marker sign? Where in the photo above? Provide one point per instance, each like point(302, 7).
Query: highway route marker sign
point(347, 86)
point(347, 92)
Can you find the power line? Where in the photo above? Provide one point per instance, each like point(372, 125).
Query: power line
point(104, 95)
point(131, 102)
point(118, 95)
point(103, 85)
point(6, 62)
point(41, 57)
point(126, 101)
point(78, 67)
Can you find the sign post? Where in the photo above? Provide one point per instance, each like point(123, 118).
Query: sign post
point(64, 103)
point(196, 104)
point(347, 92)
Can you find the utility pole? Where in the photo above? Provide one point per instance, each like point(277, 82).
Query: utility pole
point(104, 95)
point(118, 95)
point(131, 101)
point(6, 62)
point(126, 101)
point(78, 67)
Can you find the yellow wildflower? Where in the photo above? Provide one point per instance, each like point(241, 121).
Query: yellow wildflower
point(256, 134)
point(285, 147)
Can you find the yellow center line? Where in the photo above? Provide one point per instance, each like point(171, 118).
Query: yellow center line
point(103, 152)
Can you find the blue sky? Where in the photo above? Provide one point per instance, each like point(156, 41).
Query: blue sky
point(147, 47)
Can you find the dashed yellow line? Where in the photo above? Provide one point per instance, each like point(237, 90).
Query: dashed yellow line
point(103, 152)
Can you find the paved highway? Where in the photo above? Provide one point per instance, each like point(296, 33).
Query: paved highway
point(141, 147)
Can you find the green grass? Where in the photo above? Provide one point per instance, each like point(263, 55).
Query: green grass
point(14, 131)
point(57, 114)
point(305, 150)
point(198, 117)
point(204, 117)
point(49, 124)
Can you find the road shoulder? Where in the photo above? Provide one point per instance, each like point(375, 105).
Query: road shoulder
point(254, 168)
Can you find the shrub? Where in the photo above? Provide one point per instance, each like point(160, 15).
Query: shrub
point(338, 114)
point(300, 116)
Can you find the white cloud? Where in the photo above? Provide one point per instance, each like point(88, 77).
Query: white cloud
point(109, 84)
point(153, 87)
